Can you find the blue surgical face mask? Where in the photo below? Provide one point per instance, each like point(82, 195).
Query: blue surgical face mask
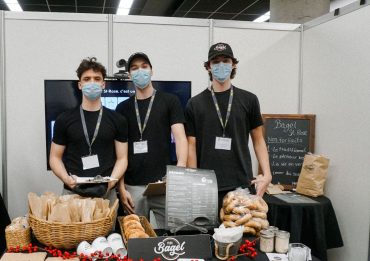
point(92, 90)
point(221, 71)
point(141, 77)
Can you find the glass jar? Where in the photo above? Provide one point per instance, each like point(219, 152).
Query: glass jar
point(282, 241)
point(266, 241)
point(273, 229)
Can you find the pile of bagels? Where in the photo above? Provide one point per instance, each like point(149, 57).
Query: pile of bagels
point(133, 228)
point(240, 208)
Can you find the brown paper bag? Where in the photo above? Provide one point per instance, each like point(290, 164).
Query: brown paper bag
point(74, 209)
point(60, 213)
point(312, 178)
point(34, 202)
point(88, 208)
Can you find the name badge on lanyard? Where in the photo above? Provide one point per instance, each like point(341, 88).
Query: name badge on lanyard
point(223, 143)
point(141, 147)
point(90, 162)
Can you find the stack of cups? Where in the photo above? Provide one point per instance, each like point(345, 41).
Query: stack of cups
point(86, 249)
point(101, 245)
point(116, 242)
point(106, 246)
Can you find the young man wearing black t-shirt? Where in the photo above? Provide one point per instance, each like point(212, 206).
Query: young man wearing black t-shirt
point(90, 139)
point(152, 116)
point(219, 121)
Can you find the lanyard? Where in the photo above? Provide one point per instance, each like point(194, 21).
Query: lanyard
point(228, 108)
point(96, 128)
point(142, 128)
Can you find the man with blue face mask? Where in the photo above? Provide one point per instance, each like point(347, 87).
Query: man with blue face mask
point(152, 116)
point(219, 121)
point(90, 139)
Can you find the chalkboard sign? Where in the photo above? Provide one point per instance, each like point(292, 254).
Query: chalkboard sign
point(288, 138)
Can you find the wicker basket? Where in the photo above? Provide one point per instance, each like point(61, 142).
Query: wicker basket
point(144, 222)
point(19, 237)
point(67, 236)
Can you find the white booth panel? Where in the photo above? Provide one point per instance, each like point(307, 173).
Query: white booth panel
point(176, 51)
point(336, 87)
point(268, 65)
point(2, 124)
point(39, 49)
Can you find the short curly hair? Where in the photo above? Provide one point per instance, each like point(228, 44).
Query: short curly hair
point(88, 64)
point(233, 71)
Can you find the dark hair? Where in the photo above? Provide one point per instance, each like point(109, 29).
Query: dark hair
point(233, 71)
point(90, 63)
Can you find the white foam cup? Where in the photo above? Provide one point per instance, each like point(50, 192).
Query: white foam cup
point(101, 244)
point(116, 243)
point(85, 248)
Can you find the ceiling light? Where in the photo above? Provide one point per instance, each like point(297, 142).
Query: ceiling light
point(124, 7)
point(263, 18)
point(13, 5)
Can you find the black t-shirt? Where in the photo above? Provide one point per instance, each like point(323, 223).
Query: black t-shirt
point(68, 131)
point(149, 167)
point(233, 168)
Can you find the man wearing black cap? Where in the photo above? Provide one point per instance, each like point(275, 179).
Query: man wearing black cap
point(152, 116)
point(219, 121)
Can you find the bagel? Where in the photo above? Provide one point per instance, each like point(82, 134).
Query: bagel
point(131, 223)
point(253, 224)
point(231, 217)
point(264, 223)
point(249, 230)
point(241, 210)
point(227, 200)
point(262, 205)
point(134, 227)
point(244, 219)
point(222, 214)
point(131, 217)
point(259, 214)
point(231, 206)
point(229, 224)
point(137, 234)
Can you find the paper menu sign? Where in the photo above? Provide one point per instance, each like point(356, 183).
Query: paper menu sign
point(190, 194)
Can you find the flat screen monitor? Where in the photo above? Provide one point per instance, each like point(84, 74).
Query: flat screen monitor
point(62, 95)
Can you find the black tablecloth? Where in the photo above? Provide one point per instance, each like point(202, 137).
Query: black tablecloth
point(4, 221)
point(313, 224)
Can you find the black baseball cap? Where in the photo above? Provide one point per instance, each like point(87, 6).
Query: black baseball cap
point(220, 49)
point(137, 55)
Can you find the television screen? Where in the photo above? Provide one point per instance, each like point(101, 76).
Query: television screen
point(62, 95)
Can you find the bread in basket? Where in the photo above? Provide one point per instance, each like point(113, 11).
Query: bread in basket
point(67, 236)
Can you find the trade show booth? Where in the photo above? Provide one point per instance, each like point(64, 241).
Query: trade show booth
point(320, 68)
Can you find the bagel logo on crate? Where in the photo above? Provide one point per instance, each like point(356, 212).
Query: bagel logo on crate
point(170, 248)
point(205, 180)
